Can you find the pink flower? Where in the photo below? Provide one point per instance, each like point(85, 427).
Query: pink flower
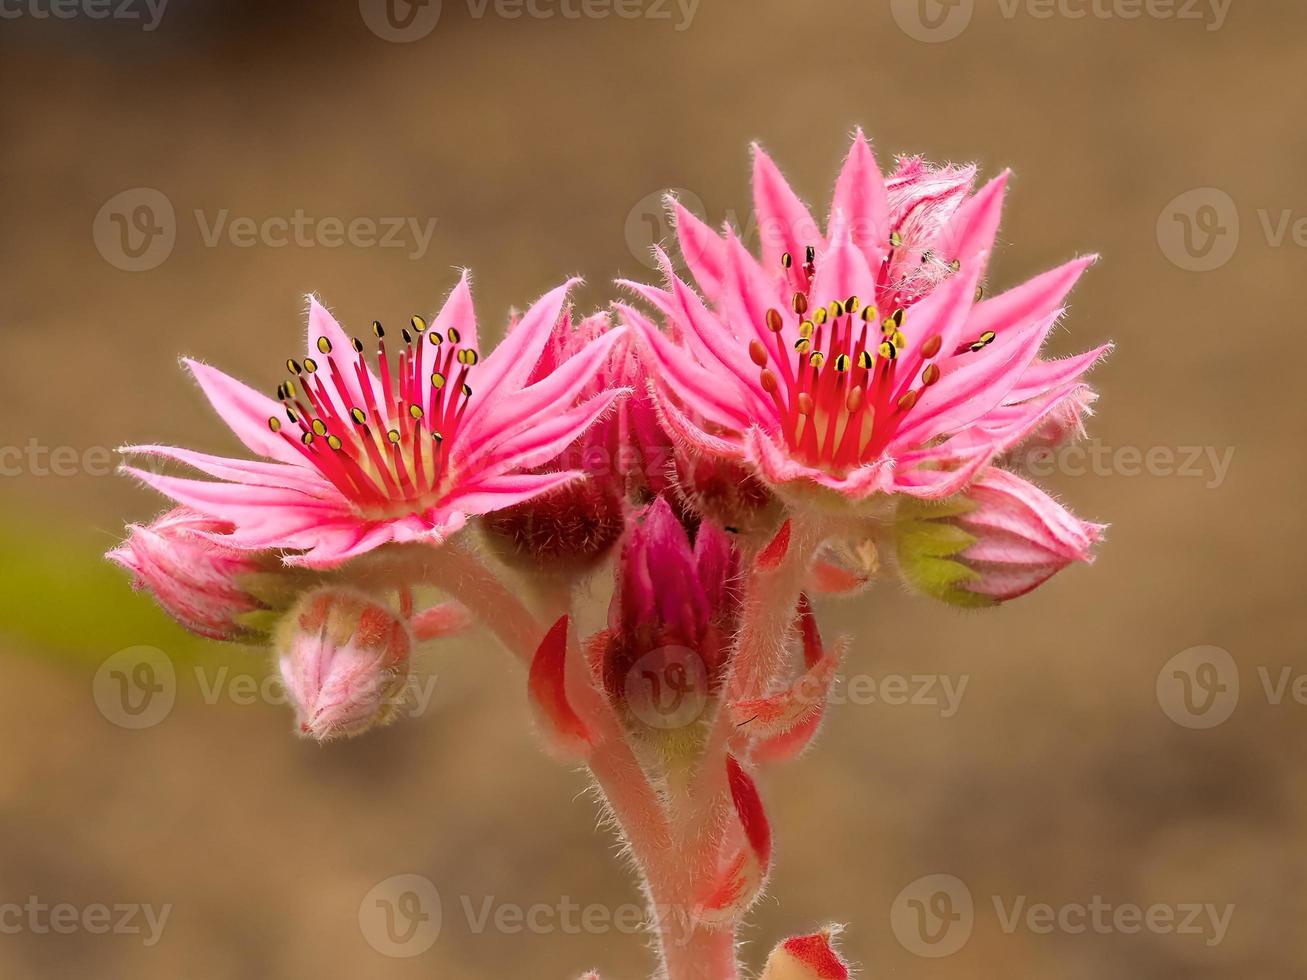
point(863, 361)
point(345, 661)
point(207, 586)
point(407, 453)
point(998, 541)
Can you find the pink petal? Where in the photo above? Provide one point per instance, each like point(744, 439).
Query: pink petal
point(245, 411)
point(702, 249)
point(540, 444)
point(971, 232)
point(784, 223)
point(507, 491)
point(507, 368)
point(244, 471)
point(861, 196)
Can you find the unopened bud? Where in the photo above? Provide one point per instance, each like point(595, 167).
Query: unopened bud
point(807, 958)
point(210, 588)
point(345, 659)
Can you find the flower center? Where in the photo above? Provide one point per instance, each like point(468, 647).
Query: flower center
point(851, 377)
point(383, 441)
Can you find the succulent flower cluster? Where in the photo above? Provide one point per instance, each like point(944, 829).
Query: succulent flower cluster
point(801, 424)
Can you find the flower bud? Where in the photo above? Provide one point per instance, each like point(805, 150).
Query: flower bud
point(727, 494)
point(806, 958)
point(999, 540)
point(210, 588)
point(671, 619)
point(345, 660)
point(575, 526)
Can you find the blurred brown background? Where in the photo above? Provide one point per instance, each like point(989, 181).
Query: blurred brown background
point(538, 145)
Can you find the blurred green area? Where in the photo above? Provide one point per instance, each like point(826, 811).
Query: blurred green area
point(67, 602)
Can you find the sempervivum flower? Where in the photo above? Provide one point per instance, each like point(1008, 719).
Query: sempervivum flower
point(408, 452)
point(839, 370)
point(210, 588)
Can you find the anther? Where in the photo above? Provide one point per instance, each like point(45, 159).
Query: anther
point(774, 321)
point(758, 353)
point(931, 347)
point(377, 330)
point(334, 442)
point(955, 265)
point(855, 399)
point(895, 240)
point(820, 316)
point(454, 335)
point(467, 390)
point(931, 375)
point(415, 411)
point(435, 339)
point(803, 345)
point(393, 435)
point(817, 359)
point(865, 360)
point(357, 345)
point(869, 314)
point(437, 436)
point(897, 316)
point(307, 438)
point(289, 387)
point(842, 363)
point(888, 350)
point(836, 309)
point(437, 380)
point(324, 345)
point(769, 382)
point(908, 401)
point(310, 365)
point(927, 257)
point(357, 415)
point(805, 403)
point(293, 366)
point(274, 423)
point(980, 293)
point(800, 304)
point(787, 260)
point(467, 356)
point(319, 427)
point(807, 328)
point(852, 304)
point(419, 324)
point(408, 337)
point(810, 254)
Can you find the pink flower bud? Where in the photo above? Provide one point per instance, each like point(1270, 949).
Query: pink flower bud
point(576, 525)
point(673, 614)
point(807, 958)
point(345, 661)
point(207, 586)
point(999, 540)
